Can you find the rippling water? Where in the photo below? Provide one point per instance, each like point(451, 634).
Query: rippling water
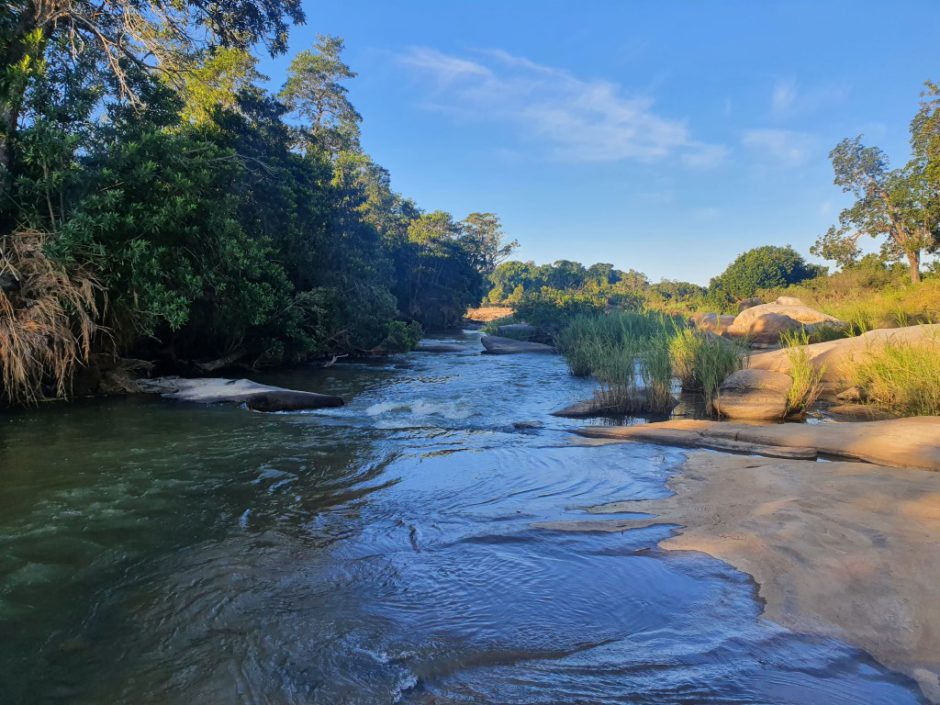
point(160, 553)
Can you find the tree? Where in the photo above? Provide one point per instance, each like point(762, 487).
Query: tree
point(900, 205)
point(764, 267)
point(124, 36)
point(314, 90)
point(483, 236)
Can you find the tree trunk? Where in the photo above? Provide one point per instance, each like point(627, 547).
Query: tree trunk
point(913, 260)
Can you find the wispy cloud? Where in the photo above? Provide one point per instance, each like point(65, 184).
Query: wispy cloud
point(578, 119)
point(785, 147)
point(788, 98)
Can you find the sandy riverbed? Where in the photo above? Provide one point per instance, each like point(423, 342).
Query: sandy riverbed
point(849, 550)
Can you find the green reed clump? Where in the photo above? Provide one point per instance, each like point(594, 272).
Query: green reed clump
point(806, 376)
point(702, 362)
point(902, 377)
point(620, 349)
point(656, 371)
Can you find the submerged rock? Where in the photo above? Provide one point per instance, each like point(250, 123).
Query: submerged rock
point(440, 348)
point(258, 397)
point(496, 345)
point(754, 395)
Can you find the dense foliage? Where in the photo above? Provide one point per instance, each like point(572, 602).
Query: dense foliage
point(764, 267)
point(218, 219)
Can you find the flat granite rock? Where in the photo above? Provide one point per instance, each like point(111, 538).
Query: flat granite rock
point(902, 443)
point(258, 397)
point(495, 345)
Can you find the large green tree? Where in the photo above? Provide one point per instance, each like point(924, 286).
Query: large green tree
point(764, 267)
point(899, 206)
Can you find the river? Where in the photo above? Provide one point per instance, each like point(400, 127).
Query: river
point(155, 552)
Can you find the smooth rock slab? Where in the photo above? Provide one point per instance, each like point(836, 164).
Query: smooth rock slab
point(496, 345)
point(258, 397)
point(902, 443)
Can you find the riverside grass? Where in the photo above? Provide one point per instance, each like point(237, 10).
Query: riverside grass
point(807, 378)
point(702, 362)
point(902, 378)
point(622, 348)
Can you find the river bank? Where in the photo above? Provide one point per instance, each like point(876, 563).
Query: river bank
point(848, 550)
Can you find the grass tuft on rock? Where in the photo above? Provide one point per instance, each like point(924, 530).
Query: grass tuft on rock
point(902, 378)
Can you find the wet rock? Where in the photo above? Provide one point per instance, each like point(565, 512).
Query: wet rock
point(496, 345)
point(440, 348)
point(754, 395)
point(526, 425)
point(258, 397)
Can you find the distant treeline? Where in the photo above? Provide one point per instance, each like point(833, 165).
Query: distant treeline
point(572, 285)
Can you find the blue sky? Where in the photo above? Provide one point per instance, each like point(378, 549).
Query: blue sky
point(665, 137)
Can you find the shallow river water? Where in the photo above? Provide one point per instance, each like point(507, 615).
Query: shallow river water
point(154, 552)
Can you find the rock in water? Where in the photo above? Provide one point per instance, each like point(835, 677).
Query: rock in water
point(259, 397)
point(439, 348)
point(496, 345)
point(754, 395)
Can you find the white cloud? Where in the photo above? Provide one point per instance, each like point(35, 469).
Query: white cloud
point(786, 147)
point(788, 99)
point(580, 120)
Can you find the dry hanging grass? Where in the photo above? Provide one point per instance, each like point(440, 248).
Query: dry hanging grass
point(47, 319)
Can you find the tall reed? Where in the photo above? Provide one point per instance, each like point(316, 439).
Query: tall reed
point(703, 361)
point(806, 376)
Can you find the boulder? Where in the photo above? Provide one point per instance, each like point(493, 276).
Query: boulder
point(754, 395)
point(496, 345)
point(258, 397)
point(712, 322)
point(765, 323)
point(837, 358)
point(765, 330)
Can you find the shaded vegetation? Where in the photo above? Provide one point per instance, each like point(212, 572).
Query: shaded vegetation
point(218, 220)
